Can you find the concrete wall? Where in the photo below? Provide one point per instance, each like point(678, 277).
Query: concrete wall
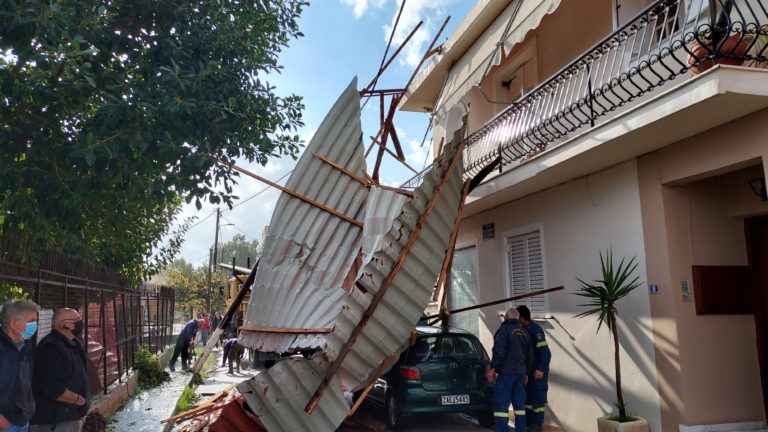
point(695, 197)
point(578, 220)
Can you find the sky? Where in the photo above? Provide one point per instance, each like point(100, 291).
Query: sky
point(342, 39)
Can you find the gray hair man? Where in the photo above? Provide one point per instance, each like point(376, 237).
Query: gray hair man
point(18, 323)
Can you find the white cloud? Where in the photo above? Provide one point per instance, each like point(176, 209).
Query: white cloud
point(360, 6)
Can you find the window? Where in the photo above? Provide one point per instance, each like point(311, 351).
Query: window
point(526, 271)
point(462, 290)
point(440, 347)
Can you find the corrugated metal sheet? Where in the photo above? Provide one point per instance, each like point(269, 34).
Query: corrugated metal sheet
point(309, 251)
point(278, 397)
point(401, 307)
point(388, 329)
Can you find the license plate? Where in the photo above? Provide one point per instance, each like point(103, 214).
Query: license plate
point(455, 400)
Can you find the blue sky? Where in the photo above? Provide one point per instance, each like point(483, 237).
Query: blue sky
point(342, 39)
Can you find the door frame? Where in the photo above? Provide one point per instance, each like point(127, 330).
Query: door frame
point(760, 292)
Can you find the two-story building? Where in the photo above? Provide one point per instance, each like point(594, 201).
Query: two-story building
point(608, 140)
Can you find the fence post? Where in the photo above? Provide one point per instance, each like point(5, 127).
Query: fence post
point(103, 337)
point(117, 337)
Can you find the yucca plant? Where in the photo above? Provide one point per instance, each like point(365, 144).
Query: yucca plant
point(602, 295)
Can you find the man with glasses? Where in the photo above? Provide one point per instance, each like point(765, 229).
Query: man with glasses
point(61, 379)
point(18, 323)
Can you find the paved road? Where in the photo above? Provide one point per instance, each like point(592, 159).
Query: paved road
point(370, 417)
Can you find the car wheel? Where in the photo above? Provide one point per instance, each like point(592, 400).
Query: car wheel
point(485, 418)
point(394, 416)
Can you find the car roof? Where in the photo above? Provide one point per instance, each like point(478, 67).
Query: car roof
point(430, 330)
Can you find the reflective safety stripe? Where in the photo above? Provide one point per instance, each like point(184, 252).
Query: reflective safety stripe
point(542, 344)
point(501, 414)
point(538, 410)
point(519, 412)
point(529, 407)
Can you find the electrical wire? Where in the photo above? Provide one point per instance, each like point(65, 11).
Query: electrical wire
point(257, 193)
point(238, 228)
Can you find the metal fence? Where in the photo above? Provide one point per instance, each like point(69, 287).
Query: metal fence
point(658, 46)
point(117, 319)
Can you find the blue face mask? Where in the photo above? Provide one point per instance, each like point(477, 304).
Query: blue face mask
point(30, 330)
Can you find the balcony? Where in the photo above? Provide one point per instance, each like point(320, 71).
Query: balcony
point(657, 51)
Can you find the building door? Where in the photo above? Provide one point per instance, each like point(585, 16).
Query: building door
point(757, 245)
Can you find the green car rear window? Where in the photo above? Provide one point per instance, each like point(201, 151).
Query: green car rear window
point(436, 347)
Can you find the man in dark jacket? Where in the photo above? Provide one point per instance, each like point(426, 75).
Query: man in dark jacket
point(182, 344)
point(538, 380)
point(61, 380)
point(18, 323)
point(511, 363)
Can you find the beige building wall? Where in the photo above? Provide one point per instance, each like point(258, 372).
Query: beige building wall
point(695, 197)
point(578, 220)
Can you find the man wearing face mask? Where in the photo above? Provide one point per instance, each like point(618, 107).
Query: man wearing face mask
point(60, 381)
point(18, 323)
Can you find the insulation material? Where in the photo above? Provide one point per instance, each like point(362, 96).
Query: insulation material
point(309, 251)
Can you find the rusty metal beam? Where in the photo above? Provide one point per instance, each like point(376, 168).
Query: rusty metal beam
point(396, 142)
point(331, 371)
point(295, 194)
point(394, 156)
point(509, 299)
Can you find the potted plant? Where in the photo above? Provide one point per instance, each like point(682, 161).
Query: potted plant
point(602, 295)
point(729, 51)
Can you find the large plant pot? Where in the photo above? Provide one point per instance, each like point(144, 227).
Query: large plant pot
point(605, 425)
point(735, 45)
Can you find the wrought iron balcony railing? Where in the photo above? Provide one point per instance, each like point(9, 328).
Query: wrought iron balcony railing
point(669, 40)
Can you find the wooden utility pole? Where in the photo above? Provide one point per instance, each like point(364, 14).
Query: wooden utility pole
point(212, 262)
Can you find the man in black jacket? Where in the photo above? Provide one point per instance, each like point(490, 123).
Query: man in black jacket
point(61, 381)
point(18, 323)
point(511, 363)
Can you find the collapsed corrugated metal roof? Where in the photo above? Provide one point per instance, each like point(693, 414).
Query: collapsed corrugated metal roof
point(308, 250)
point(310, 253)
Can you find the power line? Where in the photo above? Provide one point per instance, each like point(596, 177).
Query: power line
point(201, 221)
point(257, 193)
point(238, 228)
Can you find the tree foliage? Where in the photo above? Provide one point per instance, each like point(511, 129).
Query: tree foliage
point(191, 286)
point(113, 112)
point(241, 249)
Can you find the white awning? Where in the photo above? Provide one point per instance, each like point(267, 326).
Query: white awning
point(469, 70)
point(464, 62)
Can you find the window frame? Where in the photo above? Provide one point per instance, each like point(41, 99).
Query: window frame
point(517, 232)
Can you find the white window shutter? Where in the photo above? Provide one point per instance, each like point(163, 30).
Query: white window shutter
point(526, 271)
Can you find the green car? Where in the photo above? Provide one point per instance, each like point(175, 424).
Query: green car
point(442, 372)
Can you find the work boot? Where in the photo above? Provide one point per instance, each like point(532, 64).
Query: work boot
point(172, 367)
point(536, 428)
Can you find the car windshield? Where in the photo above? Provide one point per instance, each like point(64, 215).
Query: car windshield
point(435, 347)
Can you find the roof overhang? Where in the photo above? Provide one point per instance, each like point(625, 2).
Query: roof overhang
point(718, 96)
point(466, 53)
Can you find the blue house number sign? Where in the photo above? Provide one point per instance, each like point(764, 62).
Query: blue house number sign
point(653, 289)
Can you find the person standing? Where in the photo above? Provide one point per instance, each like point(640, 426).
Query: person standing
point(511, 363)
point(186, 336)
point(18, 323)
point(60, 381)
point(205, 330)
point(538, 381)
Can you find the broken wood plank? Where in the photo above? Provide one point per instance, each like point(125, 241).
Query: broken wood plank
point(286, 330)
point(391, 153)
point(207, 406)
point(331, 371)
point(405, 192)
point(384, 365)
point(448, 261)
point(340, 168)
point(295, 194)
point(391, 58)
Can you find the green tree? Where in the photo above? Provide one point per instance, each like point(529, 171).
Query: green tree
point(241, 249)
point(113, 112)
point(602, 295)
point(191, 283)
